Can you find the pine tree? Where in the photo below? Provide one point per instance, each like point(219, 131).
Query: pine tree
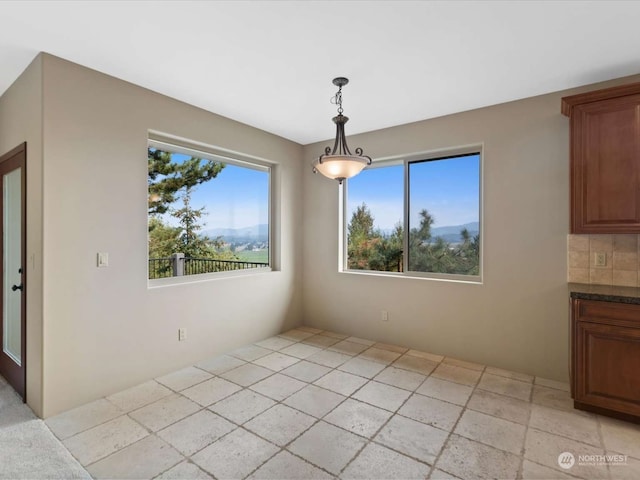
point(166, 177)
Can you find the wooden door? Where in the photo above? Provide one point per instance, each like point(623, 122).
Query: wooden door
point(13, 342)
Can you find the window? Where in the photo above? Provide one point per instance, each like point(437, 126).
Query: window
point(206, 213)
point(418, 217)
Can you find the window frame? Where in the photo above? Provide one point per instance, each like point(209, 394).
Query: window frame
point(406, 160)
point(178, 145)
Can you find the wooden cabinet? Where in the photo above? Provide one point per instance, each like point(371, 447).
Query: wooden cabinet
point(605, 367)
point(605, 160)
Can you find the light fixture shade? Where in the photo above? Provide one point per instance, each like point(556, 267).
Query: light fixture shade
point(340, 167)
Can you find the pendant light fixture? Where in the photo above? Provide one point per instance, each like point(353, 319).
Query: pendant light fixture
point(339, 163)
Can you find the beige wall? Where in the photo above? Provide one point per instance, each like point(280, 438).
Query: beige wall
point(21, 121)
point(518, 318)
point(105, 329)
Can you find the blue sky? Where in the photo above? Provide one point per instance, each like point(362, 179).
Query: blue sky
point(236, 198)
point(448, 189)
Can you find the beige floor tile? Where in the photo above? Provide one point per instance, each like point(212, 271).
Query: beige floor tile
point(580, 426)
point(320, 341)
point(246, 375)
point(183, 471)
point(234, 456)
point(523, 377)
point(545, 382)
point(278, 386)
point(623, 467)
point(341, 382)
point(412, 438)
point(545, 448)
point(505, 386)
point(339, 336)
point(196, 432)
point(276, 361)
point(415, 364)
point(462, 363)
point(391, 347)
point(362, 367)
point(378, 462)
point(285, 466)
point(437, 474)
point(314, 401)
point(492, 431)
point(185, 378)
point(444, 390)
point(164, 412)
point(358, 417)
point(535, 471)
point(507, 408)
point(313, 330)
point(550, 397)
point(306, 371)
point(339, 446)
point(250, 353)
point(101, 441)
point(382, 395)
point(379, 355)
point(280, 424)
point(296, 335)
point(455, 374)
point(139, 396)
point(275, 343)
point(363, 341)
point(348, 348)
point(619, 436)
point(242, 406)
point(221, 364)
point(431, 411)
point(143, 459)
point(472, 460)
point(301, 350)
point(400, 378)
point(426, 355)
point(210, 391)
point(82, 418)
point(329, 359)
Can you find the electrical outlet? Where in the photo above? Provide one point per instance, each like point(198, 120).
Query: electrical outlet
point(385, 316)
point(182, 334)
point(600, 259)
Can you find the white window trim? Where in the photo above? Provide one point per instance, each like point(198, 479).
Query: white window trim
point(405, 160)
point(180, 145)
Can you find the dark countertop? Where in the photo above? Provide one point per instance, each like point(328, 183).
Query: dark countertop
point(605, 293)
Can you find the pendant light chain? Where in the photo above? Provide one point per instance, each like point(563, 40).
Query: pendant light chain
point(337, 100)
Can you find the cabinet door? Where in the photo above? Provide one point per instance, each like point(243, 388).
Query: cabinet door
point(607, 366)
point(605, 170)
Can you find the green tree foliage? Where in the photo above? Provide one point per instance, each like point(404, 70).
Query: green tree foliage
point(190, 242)
point(163, 238)
point(166, 178)
point(370, 249)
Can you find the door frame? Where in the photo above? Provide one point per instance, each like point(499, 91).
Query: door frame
point(18, 157)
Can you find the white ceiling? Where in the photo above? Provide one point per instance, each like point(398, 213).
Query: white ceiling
point(270, 64)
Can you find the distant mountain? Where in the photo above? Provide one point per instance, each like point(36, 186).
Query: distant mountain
point(451, 233)
point(259, 233)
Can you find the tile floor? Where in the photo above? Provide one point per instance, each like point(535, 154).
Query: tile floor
point(311, 404)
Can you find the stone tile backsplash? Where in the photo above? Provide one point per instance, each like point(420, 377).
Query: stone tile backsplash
point(621, 266)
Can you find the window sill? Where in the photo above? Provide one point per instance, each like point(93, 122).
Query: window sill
point(466, 279)
point(206, 277)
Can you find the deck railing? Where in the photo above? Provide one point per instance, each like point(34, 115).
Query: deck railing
point(178, 265)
